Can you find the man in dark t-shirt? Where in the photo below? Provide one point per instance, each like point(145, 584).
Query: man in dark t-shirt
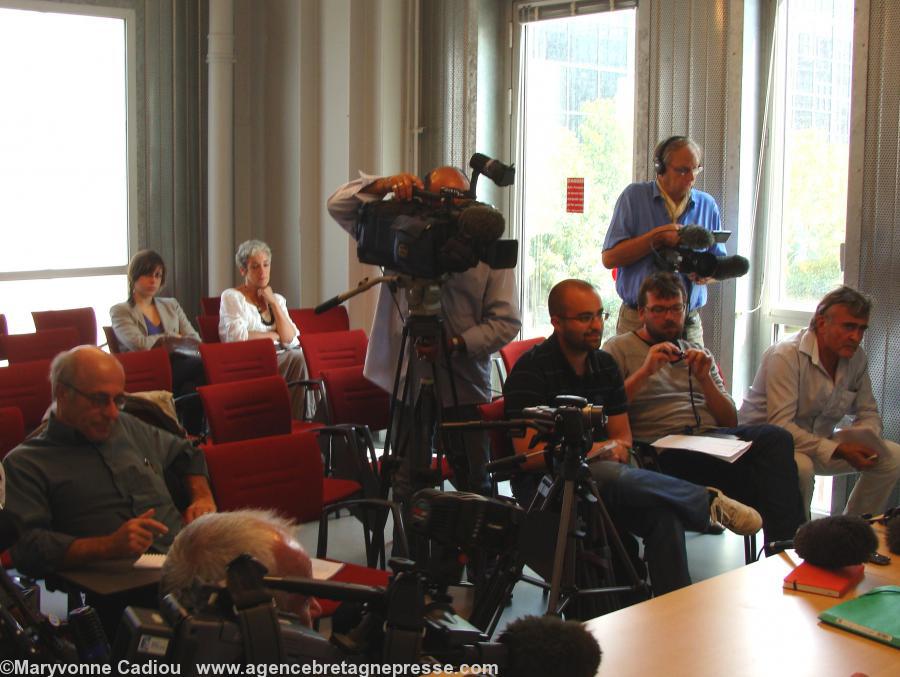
point(656, 507)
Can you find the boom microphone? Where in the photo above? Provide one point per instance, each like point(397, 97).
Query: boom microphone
point(496, 171)
point(695, 237)
point(728, 267)
point(481, 223)
point(549, 646)
point(835, 542)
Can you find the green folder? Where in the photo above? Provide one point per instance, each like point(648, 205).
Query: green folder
point(875, 614)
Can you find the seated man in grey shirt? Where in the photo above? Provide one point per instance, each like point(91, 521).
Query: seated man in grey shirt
point(91, 486)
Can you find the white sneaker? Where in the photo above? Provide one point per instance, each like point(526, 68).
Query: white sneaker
point(733, 515)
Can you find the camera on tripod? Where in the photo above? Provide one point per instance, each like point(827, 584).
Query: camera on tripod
point(438, 233)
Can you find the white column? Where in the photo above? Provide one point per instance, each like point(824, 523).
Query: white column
point(220, 239)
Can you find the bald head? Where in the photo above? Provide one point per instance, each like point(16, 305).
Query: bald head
point(565, 290)
point(446, 177)
point(87, 384)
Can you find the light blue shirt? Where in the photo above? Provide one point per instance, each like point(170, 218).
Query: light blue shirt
point(641, 208)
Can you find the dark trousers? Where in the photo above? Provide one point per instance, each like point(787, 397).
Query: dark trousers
point(187, 374)
point(765, 477)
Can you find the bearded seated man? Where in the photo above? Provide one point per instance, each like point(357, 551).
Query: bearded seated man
point(673, 386)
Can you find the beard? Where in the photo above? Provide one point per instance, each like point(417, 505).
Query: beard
point(670, 330)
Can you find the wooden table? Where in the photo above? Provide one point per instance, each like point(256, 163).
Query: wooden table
point(743, 623)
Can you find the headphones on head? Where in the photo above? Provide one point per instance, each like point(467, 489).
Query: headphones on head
point(659, 163)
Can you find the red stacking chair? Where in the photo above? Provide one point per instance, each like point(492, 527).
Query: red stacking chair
point(26, 386)
point(12, 429)
point(241, 410)
point(42, 345)
point(83, 319)
point(284, 473)
point(209, 328)
point(146, 370)
point(4, 330)
point(226, 362)
point(511, 352)
point(333, 349)
point(308, 322)
point(210, 305)
point(112, 341)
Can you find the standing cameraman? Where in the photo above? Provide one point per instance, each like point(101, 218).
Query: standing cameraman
point(647, 217)
point(480, 313)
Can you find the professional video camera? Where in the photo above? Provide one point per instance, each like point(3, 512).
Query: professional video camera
point(690, 255)
point(438, 233)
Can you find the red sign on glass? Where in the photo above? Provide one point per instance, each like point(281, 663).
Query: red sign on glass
point(575, 195)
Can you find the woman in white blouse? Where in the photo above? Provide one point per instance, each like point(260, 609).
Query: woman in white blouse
point(254, 311)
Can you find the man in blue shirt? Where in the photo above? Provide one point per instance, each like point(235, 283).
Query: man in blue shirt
point(647, 218)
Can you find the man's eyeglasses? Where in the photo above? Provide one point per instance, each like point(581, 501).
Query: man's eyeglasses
point(684, 171)
point(676, 308)
point(586, 318)
point(99, 400)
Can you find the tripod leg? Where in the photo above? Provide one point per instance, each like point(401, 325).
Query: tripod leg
point(614, 536)
point(562, 545)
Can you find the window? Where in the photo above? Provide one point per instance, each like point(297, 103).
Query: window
point(807, 219)
point(66, 179)
point(809, 168)
point(576, 111)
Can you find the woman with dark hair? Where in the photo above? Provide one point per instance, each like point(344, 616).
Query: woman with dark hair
point(254, 311)
point(147, 321)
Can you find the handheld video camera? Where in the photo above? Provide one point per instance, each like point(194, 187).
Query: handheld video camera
point(690, 255)
point(438, 233)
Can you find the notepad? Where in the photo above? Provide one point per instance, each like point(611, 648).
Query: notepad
point(726, 449)
point(875, 615)
point(150, 560)
point(832, 582)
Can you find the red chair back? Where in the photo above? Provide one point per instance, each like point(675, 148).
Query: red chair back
point(501, 445)
point(352, 398)
point(281, 473)
point(241, 410)
point(210, 305)
point(42, 345)
point(112, 341)
point(209, 328)
point(332, 350)
point(146, 370)
point(308, 322)
point(511, 352)
point(83, 319)
point(3, 332)
point(26, 386)
point(12, 429)
point(238, 361)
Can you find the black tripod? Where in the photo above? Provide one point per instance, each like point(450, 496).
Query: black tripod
point(576, 573)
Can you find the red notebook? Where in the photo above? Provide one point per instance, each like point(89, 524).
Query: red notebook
point(831, 582)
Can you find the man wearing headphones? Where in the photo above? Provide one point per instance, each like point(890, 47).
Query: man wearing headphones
point(647, 217)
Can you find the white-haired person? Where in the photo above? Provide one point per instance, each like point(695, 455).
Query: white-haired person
point(254, 311)
point(200, 554)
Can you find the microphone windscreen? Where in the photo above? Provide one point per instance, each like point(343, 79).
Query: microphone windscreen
point(695, 237)
point(728, 267)
point(893, 535)
point(10, 529)
point(482, 224)
point(549, 646)
point(834, 542)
